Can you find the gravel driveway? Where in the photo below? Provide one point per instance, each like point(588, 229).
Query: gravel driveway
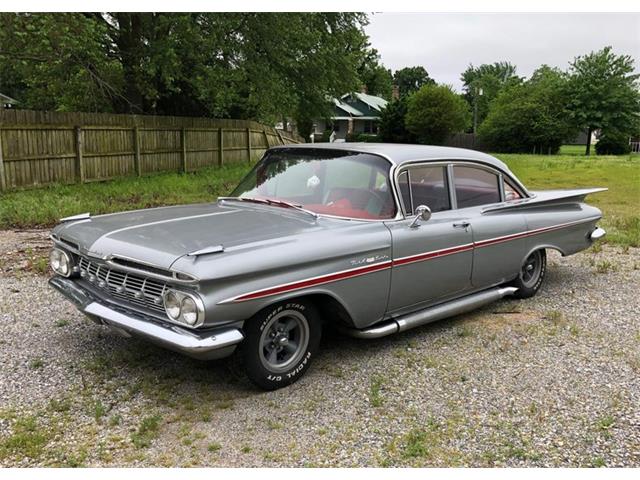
point(549, 381)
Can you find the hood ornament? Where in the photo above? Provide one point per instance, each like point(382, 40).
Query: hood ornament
point(207, 250)
point(82, 216)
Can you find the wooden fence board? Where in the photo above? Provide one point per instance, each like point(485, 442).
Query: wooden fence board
point(40, 148)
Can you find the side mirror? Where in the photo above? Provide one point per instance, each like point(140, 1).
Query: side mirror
point(422, 213)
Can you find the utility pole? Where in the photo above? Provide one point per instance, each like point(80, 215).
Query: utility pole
point(478, 93)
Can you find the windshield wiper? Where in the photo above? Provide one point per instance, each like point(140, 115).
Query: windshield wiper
point(269, 201)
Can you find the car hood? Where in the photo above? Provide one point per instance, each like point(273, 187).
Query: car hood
point(160, 236)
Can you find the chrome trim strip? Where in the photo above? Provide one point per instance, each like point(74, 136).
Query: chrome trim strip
point(81, 216)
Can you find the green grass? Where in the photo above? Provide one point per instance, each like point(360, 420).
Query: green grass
point(571, 169)
point(620, 174)
point(43, 207)
point(147, 431)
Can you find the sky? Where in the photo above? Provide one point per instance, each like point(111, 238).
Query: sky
point(446, 43)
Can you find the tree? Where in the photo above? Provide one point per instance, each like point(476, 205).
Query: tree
point(435, 112)
point(373, 75)
point(391, 125)
point(604, 93)
point(483, 83)
point(260, 66)
point(410, 79)
point(530, 117)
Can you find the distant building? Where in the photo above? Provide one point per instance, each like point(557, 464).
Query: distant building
point(6, 101)
point(352, 113)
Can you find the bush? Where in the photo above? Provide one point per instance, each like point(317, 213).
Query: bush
point(362, 137)
point(529, 117)
point(391, 126)
point(613, 143)
point(435, 112)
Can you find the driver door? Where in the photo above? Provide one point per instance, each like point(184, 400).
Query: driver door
point(432, 260)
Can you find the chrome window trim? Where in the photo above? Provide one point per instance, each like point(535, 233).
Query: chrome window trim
point(450, 164)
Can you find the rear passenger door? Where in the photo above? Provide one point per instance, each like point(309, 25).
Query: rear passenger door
point(498, 238)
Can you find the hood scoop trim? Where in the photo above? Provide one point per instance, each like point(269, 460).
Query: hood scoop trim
point(207, 251)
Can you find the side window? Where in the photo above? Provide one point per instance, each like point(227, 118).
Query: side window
point(475, 186)
point(429, 187)
point(510, 193)
point(403, 183)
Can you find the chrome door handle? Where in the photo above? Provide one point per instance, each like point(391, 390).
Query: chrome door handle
point(461, 225)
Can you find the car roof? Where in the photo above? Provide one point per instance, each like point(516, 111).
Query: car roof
point(400, 153)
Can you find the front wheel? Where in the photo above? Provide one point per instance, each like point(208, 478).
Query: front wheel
point(280, 343)
point(531, 275)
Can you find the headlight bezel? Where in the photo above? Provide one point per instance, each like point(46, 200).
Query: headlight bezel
point(181, 296)
point(68, 261)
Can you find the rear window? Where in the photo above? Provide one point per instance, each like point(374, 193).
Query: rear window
point(475, 186)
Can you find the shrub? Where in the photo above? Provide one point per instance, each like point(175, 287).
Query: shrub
point(391, 126)
point(613, 143)
point(435, 112)
point(362, 137)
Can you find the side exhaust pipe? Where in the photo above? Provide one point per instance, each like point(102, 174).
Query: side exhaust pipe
point(428, 315)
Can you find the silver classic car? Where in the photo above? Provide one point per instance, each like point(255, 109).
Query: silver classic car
point(375, 239)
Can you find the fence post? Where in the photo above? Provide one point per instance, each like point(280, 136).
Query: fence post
point(249, 144)
point(280, 137)
point(183, 144)
point(136, 150)
point(220, 147)
point(266, 137)
point(79, 160)
point(3, 178)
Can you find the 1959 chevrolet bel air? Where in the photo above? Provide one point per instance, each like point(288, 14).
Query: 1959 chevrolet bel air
point(377, 239)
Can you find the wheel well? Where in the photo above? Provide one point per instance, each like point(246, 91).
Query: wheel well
point(331, 310)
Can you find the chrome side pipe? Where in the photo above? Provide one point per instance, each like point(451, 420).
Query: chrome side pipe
point(428, 315)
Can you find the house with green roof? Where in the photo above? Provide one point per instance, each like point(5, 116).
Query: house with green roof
point(352, 113)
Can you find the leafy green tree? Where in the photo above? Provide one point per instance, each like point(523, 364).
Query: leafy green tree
point(435, 112)
point(530, 117)
point(231, 65)
point(373, 75)
point(410, 79)
point(604, 93)
point(391, 125)
point(483, 83)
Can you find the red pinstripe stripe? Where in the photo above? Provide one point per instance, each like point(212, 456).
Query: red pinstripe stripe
point(355, 272)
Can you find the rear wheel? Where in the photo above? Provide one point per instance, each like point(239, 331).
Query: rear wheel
point(531, 275)
point(280, 343)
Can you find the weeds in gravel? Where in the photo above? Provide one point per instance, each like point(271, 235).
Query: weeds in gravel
point(605, 424)
point(36, 364)
point(99, 411)
point(147, 431)
point(375, 394)
point(214, 447)
point(27, 440)
point(598, 462)
point(61, 323)
point(605, 266)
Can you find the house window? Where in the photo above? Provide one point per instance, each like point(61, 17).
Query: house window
point(370, 127)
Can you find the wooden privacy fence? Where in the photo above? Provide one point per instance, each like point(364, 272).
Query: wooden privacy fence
point(40, 148)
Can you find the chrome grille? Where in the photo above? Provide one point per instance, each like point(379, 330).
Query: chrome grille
point(136, 289)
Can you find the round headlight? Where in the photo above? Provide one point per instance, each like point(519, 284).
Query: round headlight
point(172, 305)
point(189, 310)
point(59, 262)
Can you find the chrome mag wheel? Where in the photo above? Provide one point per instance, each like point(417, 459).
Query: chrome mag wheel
point(531, 269)
point(284, 340)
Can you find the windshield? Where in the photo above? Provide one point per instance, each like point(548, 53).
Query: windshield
point(339, 183)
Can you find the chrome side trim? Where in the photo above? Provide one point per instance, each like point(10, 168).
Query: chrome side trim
point(597, 234)
point(431, 314)
point(81, 216)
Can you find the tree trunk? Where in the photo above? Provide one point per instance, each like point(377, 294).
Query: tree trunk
point(588, 151)
point(130, 45)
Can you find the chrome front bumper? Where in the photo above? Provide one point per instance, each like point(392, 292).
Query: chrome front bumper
point(201, 345)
